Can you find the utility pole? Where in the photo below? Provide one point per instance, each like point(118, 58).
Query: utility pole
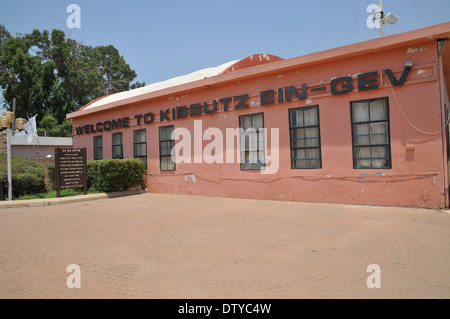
point(380, 4)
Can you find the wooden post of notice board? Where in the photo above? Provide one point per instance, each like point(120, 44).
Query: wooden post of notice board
point(70, 169)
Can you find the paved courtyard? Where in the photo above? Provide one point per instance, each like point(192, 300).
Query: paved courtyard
point(173, 246)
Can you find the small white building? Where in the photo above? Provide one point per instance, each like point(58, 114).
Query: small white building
point(41, 147)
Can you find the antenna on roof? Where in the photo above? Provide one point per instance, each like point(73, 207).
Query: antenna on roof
point(389, 18)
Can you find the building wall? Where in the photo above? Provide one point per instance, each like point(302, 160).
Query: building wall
point(32, 152)
point(416, 178)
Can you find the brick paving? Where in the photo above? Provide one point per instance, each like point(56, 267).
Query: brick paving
point(174, 246)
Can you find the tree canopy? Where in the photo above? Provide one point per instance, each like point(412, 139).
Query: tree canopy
point(52, 75)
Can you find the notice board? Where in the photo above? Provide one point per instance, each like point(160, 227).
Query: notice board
point(70, 168)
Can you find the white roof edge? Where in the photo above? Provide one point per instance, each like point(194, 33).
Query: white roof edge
point(43, 141)
point(194, 76)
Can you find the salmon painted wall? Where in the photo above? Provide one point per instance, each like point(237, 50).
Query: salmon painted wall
point(416, 178)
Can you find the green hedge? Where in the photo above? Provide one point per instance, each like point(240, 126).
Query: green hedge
point(28, 177)
point(110, 175)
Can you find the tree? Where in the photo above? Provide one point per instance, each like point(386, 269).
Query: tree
point(50, 74)
point(52, 128)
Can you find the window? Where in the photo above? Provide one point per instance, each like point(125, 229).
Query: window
point(370, 130)
point(166, 145)
point(98, 147)
point(252, 141)
point(140, 146)
point(117, 146)
point(305, 137)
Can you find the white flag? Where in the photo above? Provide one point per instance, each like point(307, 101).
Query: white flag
point(30, 127)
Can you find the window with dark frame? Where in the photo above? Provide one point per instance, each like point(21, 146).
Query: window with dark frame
point(252, 141)
point(98, 147)
point(166, 145)
point(370, 133)
point(140, 145)
point(117, 145)
point(304, 130)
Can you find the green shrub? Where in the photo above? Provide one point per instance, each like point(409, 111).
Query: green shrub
point(28, 177)
point(111, 175)
point(51, 176)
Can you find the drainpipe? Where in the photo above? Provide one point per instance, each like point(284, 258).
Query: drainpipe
point(444, 117)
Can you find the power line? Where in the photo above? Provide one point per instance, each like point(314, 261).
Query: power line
point(420, 14)
point(323, 29)
point(354, 22)
point(429, 11)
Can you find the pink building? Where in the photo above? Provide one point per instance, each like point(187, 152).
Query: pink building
point(365, 123)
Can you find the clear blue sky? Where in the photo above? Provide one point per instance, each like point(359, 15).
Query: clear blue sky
point(167, 38)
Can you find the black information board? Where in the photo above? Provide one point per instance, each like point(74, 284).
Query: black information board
point(70, 168)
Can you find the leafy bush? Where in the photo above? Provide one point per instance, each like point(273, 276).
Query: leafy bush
point(28, 177)
point(51, 175)
point(109, 175)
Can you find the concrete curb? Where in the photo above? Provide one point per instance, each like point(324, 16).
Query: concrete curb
point(66, 200)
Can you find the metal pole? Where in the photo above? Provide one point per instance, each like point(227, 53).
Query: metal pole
point(9, 133)
point(13, 124)
point(380, 4)
point(8, 154)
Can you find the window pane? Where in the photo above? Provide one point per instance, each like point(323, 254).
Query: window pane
point(362, 153)
point(363, 164)
point(361, 134)
point(296, 118)
point(298, 158)
point(170, 163)
point(378, 110)
point(252, 141)
point(362, 157)
point(164, 161)
point(311, 117)
point(380, 157)
point(378, 133)
point(246, 165)
point(98, 141)
point(139, 137)
point(165, 133)
point(98, 153)
point(117, 151)
point(169, 132)
point(140, 150)
point(360, 112)
point(164, 148)
point(312, 136)
point(117, 138)
point(246, 122)
point(298, 137)
point(257, 122)
point(162, 134)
